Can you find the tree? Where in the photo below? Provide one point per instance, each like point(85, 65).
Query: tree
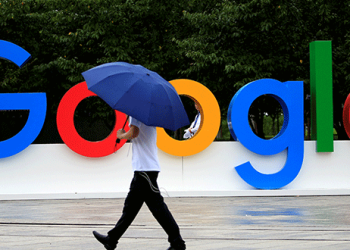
point(222, 44)
point(68, 37)
point(236, 42)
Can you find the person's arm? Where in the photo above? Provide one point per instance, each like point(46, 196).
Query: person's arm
point(194, 129)
point(191, 127)
point(131, 134)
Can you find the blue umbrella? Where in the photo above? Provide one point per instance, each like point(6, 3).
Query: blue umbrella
point(138, 92)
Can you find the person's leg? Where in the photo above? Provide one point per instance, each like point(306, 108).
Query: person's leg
point(155, 202)
point(132, 206)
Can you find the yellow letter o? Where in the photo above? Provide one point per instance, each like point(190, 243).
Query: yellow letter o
point(210, 121)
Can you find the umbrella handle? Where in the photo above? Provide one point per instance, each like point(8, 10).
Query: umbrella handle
point(118, 140)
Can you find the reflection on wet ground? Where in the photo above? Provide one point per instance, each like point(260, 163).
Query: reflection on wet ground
point(321, 222)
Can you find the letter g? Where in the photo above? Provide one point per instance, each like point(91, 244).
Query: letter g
point(34, 102)
point(291, 137)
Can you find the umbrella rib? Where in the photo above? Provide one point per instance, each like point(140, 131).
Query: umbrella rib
point(171, 100)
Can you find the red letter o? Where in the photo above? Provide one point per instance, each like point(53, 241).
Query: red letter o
point(70, 136)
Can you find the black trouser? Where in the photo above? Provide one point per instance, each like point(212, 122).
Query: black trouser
point(144, 188)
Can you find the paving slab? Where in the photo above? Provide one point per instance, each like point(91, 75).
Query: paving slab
point(206, 223)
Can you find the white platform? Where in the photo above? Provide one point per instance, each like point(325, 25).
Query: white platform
point(56, 172)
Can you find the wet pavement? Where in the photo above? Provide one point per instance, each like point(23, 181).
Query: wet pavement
point(306, 222)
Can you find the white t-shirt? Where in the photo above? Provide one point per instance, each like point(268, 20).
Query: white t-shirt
point(144, 148)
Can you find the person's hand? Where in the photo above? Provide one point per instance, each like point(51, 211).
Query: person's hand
point(120, 133)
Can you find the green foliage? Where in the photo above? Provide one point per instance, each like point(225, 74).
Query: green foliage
point(222, 44)
point(236, 42)
point(68, 37)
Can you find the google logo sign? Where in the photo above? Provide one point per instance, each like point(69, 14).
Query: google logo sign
point(289, 94)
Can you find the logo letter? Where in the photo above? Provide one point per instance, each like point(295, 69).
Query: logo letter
point(291, 136)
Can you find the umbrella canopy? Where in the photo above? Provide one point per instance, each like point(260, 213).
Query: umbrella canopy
point(138, 92)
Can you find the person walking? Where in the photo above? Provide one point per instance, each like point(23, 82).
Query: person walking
point(143, 188)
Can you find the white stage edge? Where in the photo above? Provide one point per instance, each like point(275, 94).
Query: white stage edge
point(56, 172)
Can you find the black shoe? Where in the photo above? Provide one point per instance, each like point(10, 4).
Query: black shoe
point(105, 240)
point(173, 248)
point(177, 244)
point(182, 247)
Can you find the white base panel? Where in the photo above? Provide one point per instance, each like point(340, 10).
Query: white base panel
point(56, 172)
